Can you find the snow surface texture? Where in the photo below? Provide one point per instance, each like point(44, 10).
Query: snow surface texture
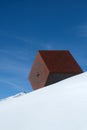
point(61, 106)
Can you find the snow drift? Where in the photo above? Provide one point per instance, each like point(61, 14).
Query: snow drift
point(61, 106)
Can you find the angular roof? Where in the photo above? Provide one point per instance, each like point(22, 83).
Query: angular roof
point(60, 61)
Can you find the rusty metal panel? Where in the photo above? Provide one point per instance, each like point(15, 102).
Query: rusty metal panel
point(60, 62)
point(39, 73)
point(55, 77)
point(52, 66)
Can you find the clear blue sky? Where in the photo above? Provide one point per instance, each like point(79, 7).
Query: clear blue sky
point(28, 26)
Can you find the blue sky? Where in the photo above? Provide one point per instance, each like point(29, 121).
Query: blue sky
point(28, 26)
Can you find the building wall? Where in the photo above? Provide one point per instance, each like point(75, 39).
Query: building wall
point(55, 77)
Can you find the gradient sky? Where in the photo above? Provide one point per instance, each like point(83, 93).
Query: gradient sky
point(28, 26)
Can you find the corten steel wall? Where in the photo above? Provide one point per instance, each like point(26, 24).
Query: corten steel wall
point(55, 77)
point(60, 61)
point(52, 66)
point(39, 73)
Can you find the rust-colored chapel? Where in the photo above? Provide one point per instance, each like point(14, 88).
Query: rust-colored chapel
point(52, 66)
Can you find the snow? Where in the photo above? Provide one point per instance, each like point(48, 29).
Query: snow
point(14, 96)
point(61, 106)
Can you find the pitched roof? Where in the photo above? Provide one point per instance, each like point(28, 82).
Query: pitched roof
point(60, 61)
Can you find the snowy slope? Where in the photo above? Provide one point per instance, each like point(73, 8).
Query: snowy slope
point(61, 106)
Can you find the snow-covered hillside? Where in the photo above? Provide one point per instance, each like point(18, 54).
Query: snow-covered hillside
point(61, 106)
